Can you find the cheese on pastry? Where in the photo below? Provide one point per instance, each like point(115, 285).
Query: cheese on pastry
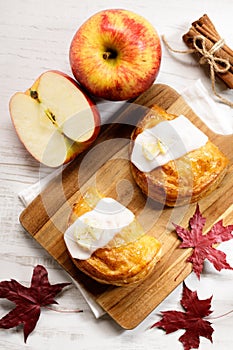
point(96, 228)
point(166, 141)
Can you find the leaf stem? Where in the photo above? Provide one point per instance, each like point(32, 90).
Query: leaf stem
point(63, 311)
point(223, 315)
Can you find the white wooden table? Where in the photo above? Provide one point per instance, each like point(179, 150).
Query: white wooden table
point(35, 36)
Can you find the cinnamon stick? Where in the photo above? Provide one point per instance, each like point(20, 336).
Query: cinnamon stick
point(205, 27)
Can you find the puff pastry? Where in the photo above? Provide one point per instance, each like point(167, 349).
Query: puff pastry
point(119, 265)
point(185, 180)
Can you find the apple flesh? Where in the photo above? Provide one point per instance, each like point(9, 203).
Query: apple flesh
point(55, 119)
point(115, 54)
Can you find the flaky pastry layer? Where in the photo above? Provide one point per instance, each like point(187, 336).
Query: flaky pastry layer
point(122, 265)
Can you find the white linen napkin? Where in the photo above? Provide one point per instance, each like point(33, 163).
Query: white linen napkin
point(217, 116)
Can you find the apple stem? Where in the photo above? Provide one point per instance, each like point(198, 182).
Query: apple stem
point(110, 54)
point(106, 55)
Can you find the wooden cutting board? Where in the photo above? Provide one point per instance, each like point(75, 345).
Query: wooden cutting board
point(106, 166)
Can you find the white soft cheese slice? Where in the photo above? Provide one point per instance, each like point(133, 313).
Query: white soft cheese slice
point(96, 228)
point(168, 140)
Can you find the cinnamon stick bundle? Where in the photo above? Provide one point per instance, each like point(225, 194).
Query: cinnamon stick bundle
point(205, 28)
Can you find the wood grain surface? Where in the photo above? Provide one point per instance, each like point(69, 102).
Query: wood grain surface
point(106, 166)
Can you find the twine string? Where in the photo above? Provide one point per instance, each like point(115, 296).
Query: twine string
point(220, 65)
point(217, 65)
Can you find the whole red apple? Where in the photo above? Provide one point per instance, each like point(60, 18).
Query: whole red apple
point(116, 54)
point(55, 119)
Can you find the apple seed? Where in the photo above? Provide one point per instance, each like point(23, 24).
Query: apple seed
point(49, 114)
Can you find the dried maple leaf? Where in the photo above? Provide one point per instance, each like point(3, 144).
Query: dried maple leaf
point(202, 244)
point(192, 320)
point(28, 300)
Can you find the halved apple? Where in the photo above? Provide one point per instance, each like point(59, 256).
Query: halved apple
point(55, 119)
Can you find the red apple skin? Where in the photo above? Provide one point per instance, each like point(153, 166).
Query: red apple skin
point(75, 147)
point(128, 36)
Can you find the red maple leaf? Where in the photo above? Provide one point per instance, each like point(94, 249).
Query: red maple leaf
point(192, 320)
point(28, 300)
point(202, 244)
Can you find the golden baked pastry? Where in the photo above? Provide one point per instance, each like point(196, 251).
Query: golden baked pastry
point(124, 260)
point(184, 180)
